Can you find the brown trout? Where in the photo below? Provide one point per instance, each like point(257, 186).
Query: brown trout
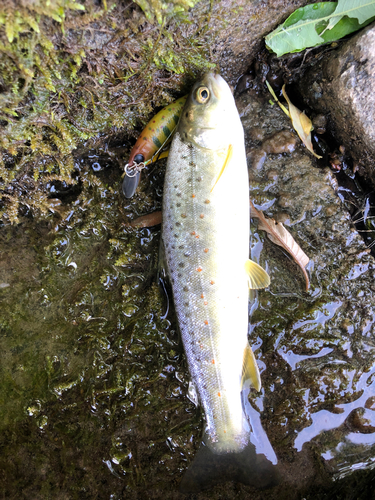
point(205, 234)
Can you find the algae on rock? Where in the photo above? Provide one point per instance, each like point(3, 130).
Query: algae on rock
point(70, 75)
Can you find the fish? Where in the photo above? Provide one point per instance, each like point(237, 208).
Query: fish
point(205, 254)
point(154, 135)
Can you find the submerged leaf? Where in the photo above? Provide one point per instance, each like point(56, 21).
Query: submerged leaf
point(319, 23)
point(282, 237)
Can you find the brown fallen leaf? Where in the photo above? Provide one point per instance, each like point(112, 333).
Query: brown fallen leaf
point(282, 237)
point(148, 220)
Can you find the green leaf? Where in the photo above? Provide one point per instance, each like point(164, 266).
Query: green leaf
point(319, 23)
point(358, 9)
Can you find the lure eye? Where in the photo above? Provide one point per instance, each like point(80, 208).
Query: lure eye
point(202, 95)
point(139, 158)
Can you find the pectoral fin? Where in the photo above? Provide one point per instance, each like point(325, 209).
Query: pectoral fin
point(258, 277)
point(250, 369)
point(225, 164)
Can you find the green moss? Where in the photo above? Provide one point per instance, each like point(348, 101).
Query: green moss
point(73, 75)
point(155, 9)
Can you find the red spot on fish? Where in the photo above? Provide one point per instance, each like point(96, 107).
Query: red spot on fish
point(205, 250)
point(199, 269)
point(207, 201)
point(225, 432)
point(153, 121)
point(202, 296)
point(212, 282)
point(206, 322)
point(192, 233)
point(193, 195)
point(197, 236)
point(183, 216)
point(219, 394)
point(205, 302)
point(201, 216)
point(213, 361)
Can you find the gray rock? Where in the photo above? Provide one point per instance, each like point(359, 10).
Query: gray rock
point(342, 85)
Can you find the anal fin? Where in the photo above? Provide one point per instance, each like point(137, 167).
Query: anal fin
point(250, 369)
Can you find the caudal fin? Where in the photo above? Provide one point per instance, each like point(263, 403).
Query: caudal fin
point(247, 467)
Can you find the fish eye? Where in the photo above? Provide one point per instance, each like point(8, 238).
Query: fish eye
point(202, 95)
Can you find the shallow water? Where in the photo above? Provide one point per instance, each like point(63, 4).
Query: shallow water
point(93, 399)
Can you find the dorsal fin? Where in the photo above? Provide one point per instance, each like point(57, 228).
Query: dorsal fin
point(258, 277)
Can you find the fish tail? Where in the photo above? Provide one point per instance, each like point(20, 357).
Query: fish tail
point(246, 467)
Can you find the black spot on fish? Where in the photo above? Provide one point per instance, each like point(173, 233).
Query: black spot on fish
point(176, 118)
point(186, 304)
point(178, 204)
point(176, 186)
point(191, 163)
point(199, 179)
point(179, 275)
point(181, 247)
point(178, 224)
point(176, 235)
point(186, 288)
point(181, 264)
point(178, 194)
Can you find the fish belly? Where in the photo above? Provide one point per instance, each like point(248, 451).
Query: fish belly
point(206, 241)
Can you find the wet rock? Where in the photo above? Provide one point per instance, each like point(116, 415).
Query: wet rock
point(281, 142)
point(241, 34)
point(342, 86)
point(361, 420)
point(318, 343)
point(319, 123)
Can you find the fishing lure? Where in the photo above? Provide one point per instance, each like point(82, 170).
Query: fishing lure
point(154, 136)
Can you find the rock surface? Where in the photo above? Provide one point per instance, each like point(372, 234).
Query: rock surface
point(342, 85)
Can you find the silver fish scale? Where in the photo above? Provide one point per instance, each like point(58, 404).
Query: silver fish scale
point(191, 236)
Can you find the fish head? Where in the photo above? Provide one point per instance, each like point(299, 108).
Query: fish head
point(210, 118)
